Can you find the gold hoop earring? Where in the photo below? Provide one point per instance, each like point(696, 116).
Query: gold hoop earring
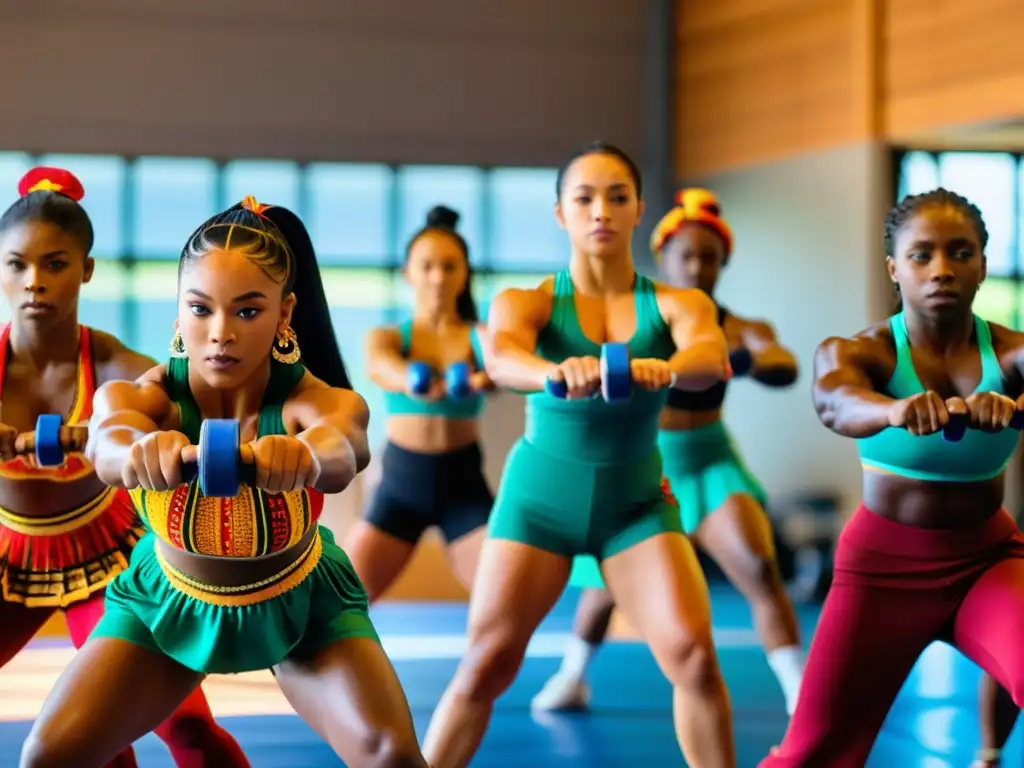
point(286, 347)
point(177, 348)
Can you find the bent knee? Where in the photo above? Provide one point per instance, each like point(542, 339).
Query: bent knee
point(690, 661)
point(489, 667)
point(387, 749)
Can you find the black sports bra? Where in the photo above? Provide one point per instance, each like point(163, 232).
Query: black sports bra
point(710, 399)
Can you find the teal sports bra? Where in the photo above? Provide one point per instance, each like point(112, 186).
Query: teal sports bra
point(401, 404)
point(979, 456)
point(591, 430)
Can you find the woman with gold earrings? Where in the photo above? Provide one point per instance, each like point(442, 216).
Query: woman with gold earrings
point(227, 585)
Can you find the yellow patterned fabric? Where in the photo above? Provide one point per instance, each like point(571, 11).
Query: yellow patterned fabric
point(252, 524)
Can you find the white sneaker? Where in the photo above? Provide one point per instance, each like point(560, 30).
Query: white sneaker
point(563, 693)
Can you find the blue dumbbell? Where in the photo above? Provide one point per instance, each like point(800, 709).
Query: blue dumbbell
point(420, 376)
point(46, 441)
point(456, 381)
point(616, 378)
point(958, 424)
point(49, 449)
point(221, 464)
point(741, 361)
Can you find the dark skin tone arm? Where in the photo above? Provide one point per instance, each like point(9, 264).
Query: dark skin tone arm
point(332, 423)
point(773, 364)
point(123, 413)
point(848, 374)
point(1009, 345)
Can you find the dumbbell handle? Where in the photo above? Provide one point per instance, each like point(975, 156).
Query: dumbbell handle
point(190, 459)
point(558, 387)
point(73, 438)
point(959, 423)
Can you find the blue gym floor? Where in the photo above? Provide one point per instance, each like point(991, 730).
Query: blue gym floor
point(932, 725)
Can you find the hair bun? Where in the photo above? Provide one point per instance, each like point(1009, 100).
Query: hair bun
point(51, 179)
point(442, 216)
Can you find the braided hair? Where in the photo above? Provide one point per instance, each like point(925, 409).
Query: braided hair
point(275, 240)
point(912, 204)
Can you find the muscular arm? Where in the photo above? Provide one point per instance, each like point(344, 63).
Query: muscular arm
point(480, 381)
point(385, 364)
point(515, 320)
point(333, 423)
point(845, 393)
point(1009, 347)
point(702, 359)
point(122, 413)
point(774, 365)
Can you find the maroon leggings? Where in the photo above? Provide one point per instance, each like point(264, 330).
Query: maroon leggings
point(192, 736)
point(896, 590)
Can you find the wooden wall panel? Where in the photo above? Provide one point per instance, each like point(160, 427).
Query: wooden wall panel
point(951, 63)
point(761, 79)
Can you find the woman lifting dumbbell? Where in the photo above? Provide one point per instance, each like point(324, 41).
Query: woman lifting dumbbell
point(930, 554)
point(586, 476)
point(251, 581)
point(431, 368)
point(64, 534)
point(721, 502)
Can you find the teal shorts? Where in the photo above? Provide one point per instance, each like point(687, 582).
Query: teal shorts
point(224, 634)
point(703, 469)
point(574, 508)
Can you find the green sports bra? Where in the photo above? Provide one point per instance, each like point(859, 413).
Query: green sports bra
point(979, 456)
point(592, 430)
point(401, 404)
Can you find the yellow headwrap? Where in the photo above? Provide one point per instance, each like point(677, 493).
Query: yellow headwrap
point(692, 205)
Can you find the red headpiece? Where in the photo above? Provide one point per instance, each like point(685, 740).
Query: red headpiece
point(53, 179)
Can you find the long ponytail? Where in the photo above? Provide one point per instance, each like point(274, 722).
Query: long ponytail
point(311, 319)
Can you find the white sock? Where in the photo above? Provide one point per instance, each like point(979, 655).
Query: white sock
point(788, 665)
point(578, 653)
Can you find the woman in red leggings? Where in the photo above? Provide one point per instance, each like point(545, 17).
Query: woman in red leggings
point(63, 534)
point(930, 554)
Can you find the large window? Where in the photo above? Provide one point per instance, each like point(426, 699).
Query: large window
point(992, 181)
point(360, 217)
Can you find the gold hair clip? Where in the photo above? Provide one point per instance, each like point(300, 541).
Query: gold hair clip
point(250, 204)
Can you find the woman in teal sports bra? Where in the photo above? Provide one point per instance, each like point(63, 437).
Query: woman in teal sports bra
point(586, 476)
point(227, 585)
point(721, 502)
point(432, 473)
point(930, 555)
